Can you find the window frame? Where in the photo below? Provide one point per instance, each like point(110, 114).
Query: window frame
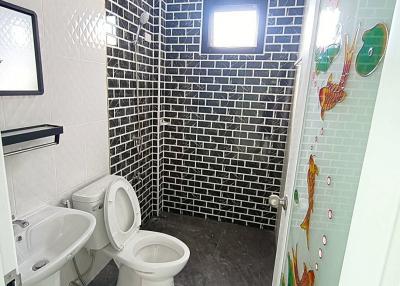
point(38, 59)
point(210, 6)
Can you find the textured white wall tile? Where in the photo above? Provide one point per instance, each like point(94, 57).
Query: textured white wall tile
point(93, 91)
point(60, 25)
point(70, 159)
point(75, 29)
point(2, 118)
point(96, 159)
point(92, 30)
point(73, 58)
point(19, 111)
point(33, 179)
point(65, 87)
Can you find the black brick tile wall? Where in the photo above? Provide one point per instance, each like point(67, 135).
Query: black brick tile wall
point(137, 167)
point(223, 149)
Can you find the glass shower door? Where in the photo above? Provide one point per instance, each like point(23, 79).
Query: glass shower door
point(348, 55)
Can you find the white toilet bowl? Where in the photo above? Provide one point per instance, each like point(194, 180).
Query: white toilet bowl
point(150, 259)
point(144, 258)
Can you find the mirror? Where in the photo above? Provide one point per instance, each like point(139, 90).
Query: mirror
point(20, 62)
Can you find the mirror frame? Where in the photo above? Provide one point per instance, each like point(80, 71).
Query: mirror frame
point(38, 59)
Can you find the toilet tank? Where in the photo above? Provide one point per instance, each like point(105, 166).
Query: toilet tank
point(91, 199)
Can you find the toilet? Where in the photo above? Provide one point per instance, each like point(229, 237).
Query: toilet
point(144, 258)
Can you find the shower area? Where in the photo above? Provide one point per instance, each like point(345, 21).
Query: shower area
point(212, 127)
point(204, 138)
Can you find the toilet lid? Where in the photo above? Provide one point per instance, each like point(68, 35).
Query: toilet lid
point(121, 212)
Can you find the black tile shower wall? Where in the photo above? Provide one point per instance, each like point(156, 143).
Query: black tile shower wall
point(124, 117)
point(226, 117)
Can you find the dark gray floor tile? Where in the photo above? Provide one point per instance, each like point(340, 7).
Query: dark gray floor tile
point(222, 254)
point(107, 277)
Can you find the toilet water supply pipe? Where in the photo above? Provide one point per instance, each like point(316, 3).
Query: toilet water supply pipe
point(80, 275)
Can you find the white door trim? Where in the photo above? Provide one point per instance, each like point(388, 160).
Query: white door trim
point(373, 245)
point(297, 120)
point(1, 271)
point(7, 245)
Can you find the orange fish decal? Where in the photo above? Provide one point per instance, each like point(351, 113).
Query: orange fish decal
point(308, 276)
point(313, 171)
point(333, 93)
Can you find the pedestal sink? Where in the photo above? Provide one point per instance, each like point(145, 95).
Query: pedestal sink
point(54, 235)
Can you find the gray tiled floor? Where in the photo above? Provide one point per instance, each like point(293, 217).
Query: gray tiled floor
point(222, 254)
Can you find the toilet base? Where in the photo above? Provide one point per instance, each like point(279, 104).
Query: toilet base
point(128, 277)
point(168, 282)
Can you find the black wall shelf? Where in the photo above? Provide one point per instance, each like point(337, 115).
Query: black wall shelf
point(25, 134)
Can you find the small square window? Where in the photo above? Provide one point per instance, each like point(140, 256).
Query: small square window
point(233, 27)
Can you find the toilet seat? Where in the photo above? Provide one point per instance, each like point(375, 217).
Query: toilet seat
point(122, 215)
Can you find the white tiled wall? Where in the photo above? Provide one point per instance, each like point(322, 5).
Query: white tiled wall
point(74, 69)
point(74, 58)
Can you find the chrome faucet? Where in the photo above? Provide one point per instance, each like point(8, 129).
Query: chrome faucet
point(20, 222)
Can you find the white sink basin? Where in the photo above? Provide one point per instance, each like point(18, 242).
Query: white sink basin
point(53, 237)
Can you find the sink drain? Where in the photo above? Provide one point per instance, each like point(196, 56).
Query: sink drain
point(40, 264)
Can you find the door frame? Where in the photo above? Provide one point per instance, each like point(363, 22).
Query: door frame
point(8, 258)
point(378, 189)
point(304, 68)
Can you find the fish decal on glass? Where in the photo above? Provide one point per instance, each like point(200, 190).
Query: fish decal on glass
point(308, 276)
point(291, 279)
point(333, 93)
point(313, 171)
point(283, 283)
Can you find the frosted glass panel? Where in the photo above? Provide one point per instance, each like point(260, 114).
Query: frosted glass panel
point(18, 59)
point(338, 116)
